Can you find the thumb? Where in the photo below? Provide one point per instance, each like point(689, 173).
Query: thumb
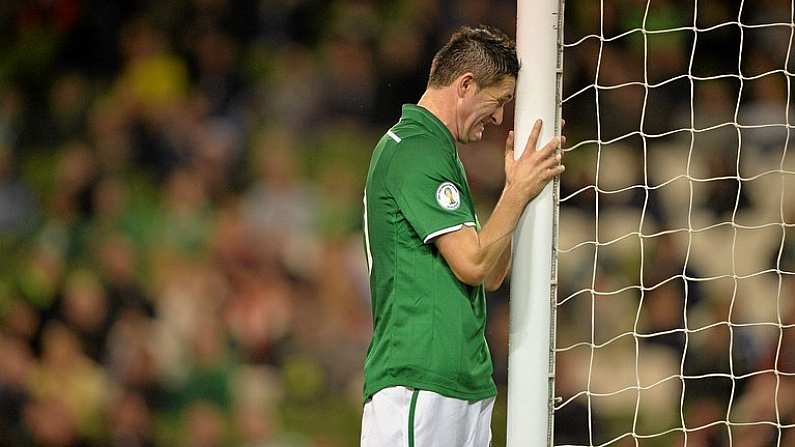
point(509, 147)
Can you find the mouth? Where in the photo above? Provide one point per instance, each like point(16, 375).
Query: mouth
point(478, 131)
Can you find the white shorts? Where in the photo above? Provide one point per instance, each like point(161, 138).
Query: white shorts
point(405, 417)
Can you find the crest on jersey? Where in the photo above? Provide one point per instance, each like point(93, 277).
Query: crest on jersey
point(447, 196)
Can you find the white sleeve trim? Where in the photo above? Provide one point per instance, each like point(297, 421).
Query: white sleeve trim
point(393, 136)
point(429, 237)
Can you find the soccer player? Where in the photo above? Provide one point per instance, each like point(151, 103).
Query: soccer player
point(428, 372)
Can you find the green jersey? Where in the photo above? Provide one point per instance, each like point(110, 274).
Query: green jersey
point(428, 327)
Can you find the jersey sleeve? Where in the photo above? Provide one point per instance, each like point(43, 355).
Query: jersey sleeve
point(426, 185)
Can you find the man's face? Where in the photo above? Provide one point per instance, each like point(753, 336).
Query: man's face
point(481, 106)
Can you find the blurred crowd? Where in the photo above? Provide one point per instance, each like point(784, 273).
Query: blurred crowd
point(180, 213)
point(180, 218)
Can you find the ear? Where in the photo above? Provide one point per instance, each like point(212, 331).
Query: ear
point(466, 85)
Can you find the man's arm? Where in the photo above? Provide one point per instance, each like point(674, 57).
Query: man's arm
point(473, 255)
point(497, 275)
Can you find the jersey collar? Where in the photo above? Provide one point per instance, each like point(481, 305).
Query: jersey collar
point(429, 120)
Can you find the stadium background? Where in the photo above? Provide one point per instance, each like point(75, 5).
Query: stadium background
point(180, 211)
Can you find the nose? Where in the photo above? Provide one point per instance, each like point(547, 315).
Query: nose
point(496, 117)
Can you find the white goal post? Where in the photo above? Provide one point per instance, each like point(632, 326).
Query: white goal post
point(531, 352)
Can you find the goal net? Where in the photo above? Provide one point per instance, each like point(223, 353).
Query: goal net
point(676, 290)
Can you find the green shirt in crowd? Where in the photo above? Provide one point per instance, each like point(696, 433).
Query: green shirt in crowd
point(428, 327)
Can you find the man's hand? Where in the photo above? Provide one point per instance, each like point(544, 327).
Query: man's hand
point(475, 257)
point(527, 176)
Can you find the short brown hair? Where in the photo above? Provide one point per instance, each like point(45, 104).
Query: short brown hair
point(486, 52)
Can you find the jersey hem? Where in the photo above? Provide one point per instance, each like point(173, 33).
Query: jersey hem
point(446, 391)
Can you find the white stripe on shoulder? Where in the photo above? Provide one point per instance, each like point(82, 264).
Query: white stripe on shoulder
point(435, 234)
point(393, 135)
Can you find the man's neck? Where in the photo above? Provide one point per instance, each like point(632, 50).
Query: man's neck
point(437, 102)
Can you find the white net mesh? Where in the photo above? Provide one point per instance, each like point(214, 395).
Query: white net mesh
point(676, 302)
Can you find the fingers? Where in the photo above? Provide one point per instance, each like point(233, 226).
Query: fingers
point(554, 171)
point(549, 162)
point(553, 144)
point(509, 144)
point(532, 140)
point(551, 173)
point(549, 149)
point(550, 167)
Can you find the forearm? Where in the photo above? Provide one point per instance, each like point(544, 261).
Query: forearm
point(497, 275)
point(472, 255)
point(494, 239)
